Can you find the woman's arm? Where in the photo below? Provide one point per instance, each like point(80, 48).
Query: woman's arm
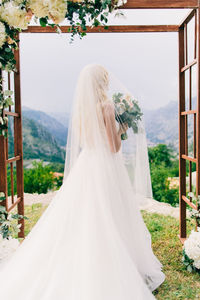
point(114, 135)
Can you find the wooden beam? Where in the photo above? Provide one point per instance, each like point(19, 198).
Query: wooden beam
point(198, 107)
point(192, 63)
point(111, 29)
point(18, 141)
point(160, 4)
point(188, 112)
point(189, 158)
point(188, 17)
point(10, 113)
point(10, 160)
point(3, 167)
point(182, 161)
point(191, 204)
point(14, 204)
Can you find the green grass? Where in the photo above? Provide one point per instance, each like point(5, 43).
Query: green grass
point(179, 283)
point(33, 213)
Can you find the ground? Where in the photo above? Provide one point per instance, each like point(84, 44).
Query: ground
point(179, 283)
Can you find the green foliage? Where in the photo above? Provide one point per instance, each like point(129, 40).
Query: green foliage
point(8, 228)
point(39, 179)
point(163, 166)
point(5, 101)
point(58, 182)
point(179, 283)
point(95, 11)
point(160, 154)
point(188, 263)
point(57, 167)
point(127, 111)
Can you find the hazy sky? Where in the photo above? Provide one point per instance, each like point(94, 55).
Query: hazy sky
point(146, 63)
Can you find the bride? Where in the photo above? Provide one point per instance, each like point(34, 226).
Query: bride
point(91, 243)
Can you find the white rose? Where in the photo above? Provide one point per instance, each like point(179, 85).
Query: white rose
point(13, 15)
point(119, 2)
point(192, 246)
point(196, 263)
point(57, 10)
point(2, 34)
point(40, 8)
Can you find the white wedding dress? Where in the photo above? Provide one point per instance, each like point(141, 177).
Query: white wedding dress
point(91, 243)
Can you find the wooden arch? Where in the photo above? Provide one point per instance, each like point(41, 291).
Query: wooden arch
point(184, 112)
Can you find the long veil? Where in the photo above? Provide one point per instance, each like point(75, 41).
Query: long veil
point(95, 87)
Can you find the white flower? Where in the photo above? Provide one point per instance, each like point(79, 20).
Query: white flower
point(118, 3)
point(14, 15)
point(196, 263)
point(2, 34)
point(192, 247)
point(40, 8)
point(2, 194)
point(9, 218)
point(57, 10)
point(191, 194)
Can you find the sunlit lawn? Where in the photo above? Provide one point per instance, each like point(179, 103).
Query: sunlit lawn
point(179, 283)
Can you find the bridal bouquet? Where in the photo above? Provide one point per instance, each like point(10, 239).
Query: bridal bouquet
point(191, 251)
point(127, 111)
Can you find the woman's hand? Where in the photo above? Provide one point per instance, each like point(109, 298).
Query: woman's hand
point(123, 128)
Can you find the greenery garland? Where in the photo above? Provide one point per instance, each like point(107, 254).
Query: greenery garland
point(15, 15)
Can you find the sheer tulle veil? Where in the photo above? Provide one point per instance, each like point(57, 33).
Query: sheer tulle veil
point(91, 243)
point(95, 87)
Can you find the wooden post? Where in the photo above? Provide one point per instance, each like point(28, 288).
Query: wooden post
point(18, 141)
point(198, 107)
point(3, 168)
point(182, 162)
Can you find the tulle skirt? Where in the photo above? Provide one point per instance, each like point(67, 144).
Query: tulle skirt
point(91, 243)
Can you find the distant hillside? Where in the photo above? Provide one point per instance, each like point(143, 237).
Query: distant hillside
point(45, 134)
point(56, 128)
point(38, 142)
point(61, 117)
point(162, 125)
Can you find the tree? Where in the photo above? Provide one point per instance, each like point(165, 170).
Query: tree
point(162, 166)
point(39, 179)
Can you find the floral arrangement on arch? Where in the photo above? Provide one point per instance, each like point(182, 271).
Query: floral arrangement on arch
point(8, 229)
point(15, 16)
point(191, 247)
point(191, 251)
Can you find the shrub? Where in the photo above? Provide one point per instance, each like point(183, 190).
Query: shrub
point(162, 166)
point(39, 179)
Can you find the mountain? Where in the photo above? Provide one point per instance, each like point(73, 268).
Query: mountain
point(162, 125)
point(61, 117)
point(45, 135)
point(38, 142)
point(53, 126)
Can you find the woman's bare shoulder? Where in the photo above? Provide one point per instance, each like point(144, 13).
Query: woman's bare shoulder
point(108, 107)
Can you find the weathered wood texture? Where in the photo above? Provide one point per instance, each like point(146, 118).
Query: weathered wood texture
point(111, 29)
point(198, 107)
point(186, 66)
point(18, 142)
point(160, 4)
point(182, 162)
point(5, 161)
